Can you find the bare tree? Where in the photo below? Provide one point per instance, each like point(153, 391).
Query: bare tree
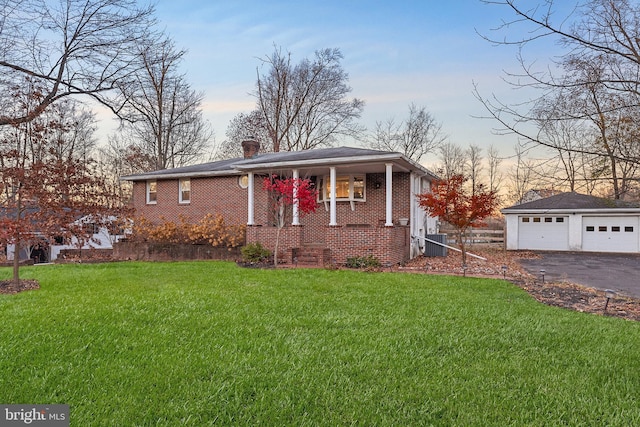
point(73, 47)
point(594, 82)
point(494, 162)
point(520, 177)
point(306, 105)
point(240, 128)
point(473, 165)
point(161, 112)
point(452, 160)
point(415, 137)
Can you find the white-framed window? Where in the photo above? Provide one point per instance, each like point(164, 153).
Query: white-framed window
point(152, 192)
point(184, 192)
point(348, 188)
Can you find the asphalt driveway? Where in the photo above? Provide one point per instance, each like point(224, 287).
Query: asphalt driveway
point(620, 272)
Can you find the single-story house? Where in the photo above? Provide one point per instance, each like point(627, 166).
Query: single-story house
point(373, 209)
point(573, 222)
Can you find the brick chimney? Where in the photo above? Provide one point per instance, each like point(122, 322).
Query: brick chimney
point(251, 147)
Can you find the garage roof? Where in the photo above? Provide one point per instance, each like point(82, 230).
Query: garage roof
point(571, 201)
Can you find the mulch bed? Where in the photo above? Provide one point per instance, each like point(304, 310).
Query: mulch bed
point(571, 296)
point(11, 287)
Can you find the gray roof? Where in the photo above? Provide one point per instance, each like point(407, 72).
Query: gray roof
point(205, 169)
point(306, 155)
point(572, 200)
point(309, 160)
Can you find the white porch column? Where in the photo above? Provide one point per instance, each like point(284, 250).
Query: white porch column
point(296, 215)
point(250, 199)
point(332, 204)
point(389, 191)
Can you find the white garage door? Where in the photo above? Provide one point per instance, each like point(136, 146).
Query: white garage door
point(610, 234)
point(543, 233)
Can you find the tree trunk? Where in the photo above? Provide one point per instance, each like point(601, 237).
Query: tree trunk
point(16, 246)
point(462, 247)
point(275, 250)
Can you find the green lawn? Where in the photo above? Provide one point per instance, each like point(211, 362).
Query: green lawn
point(209, 343)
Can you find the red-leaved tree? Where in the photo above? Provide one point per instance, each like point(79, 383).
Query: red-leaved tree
point(286, 192)
point(461, 208)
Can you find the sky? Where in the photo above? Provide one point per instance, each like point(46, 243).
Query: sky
point(425, 52)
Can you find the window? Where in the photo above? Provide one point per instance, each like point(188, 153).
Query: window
point(348, 187)
point(602, 228)
point(628, 229)
point(185, 190)
point(548, 220)
point(152, 193)
point(591, 228)
point(559, 219)
point(525, 219)
point(536, 219)
point(615, 228)
point(90, 228)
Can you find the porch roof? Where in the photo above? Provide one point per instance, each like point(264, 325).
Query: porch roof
point(315, 162)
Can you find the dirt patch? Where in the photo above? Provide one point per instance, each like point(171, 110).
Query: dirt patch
point(11, 287)
point(504, 264)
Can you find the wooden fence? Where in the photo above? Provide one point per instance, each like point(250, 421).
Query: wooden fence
point(478, 236)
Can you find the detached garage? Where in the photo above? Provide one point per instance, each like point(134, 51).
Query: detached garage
point(573, 222)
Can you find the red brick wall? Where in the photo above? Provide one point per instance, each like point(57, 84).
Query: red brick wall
point(360, 232)
point(218, 195)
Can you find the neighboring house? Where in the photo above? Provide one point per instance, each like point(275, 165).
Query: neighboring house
point(373, 210)
point(42, 251)
point(574, 222)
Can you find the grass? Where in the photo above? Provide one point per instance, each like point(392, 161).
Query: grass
point(208, 343)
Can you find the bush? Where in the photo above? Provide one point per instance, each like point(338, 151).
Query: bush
point(363, 262)
point(210, 230)
point(255, 252)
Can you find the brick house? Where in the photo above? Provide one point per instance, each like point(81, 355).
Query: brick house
point(373, 210)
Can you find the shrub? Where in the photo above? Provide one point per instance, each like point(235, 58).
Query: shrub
point(210, 230)
point(369, 261)
point(255, 252)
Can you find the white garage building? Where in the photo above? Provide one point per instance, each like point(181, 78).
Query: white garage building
point(573, 222)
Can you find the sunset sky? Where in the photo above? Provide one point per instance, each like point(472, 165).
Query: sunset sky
point(425, 52)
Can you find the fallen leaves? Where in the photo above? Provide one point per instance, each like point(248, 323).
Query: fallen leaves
point(567, 295)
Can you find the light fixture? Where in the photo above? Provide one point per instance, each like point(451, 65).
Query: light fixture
point(542, 274)
point(504, 271)
point(464, 270)
point(608, 293)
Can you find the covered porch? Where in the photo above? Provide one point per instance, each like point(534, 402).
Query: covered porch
point(367, 207)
